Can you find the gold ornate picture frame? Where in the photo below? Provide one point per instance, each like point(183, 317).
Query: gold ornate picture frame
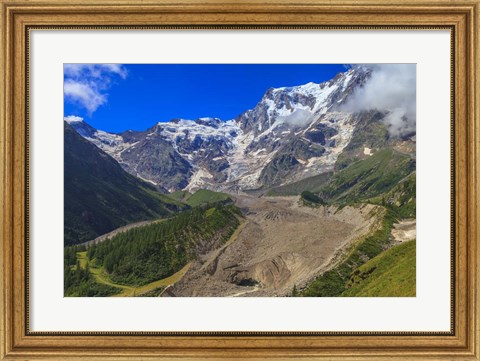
point(20, 17)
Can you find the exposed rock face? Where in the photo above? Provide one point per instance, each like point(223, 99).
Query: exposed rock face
point(292, 133)
point(154, 159)
point(278, 168)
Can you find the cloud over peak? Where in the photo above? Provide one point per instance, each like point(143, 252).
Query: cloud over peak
point(391, 87)
point(73, 119)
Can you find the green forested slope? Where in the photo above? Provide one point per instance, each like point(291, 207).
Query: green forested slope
point(401, 199)
point(205, 196)
point(390, 274)
point(144, 254)
point(180, 196)
point(369, 177)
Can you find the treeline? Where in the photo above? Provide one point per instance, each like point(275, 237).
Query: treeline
point(145, 254)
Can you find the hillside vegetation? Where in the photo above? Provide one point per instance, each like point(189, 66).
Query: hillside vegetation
point(361, 181)
point(369, 177)
point(180, 196)
point(144, 254)
point(100, 196)
point(390, 274)
point(95, 282)
point(205, 196)
point(401, 199)
point(200, 197)
point(78, 280)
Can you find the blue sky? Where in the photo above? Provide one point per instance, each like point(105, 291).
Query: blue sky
point(115, 97)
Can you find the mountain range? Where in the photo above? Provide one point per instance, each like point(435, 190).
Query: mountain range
point(291, 134)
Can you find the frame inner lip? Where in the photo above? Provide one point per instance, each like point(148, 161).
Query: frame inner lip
point(299, 27)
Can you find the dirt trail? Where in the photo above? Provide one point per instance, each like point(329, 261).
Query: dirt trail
point(280, 244)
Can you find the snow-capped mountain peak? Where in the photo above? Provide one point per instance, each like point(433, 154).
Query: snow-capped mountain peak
point(293, 132)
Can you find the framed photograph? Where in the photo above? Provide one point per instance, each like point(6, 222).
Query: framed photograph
point(239, 180)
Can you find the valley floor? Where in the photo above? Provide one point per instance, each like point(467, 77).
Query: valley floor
point(280, 245)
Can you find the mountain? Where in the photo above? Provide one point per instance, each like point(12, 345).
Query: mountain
point(292, 133)
point(100, 196)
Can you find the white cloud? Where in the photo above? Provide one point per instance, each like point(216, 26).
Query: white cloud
point(73, 119)
point(299, 118)
point(391, 87)
point(116, 69)
point(84, 94)
point(87, 84)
